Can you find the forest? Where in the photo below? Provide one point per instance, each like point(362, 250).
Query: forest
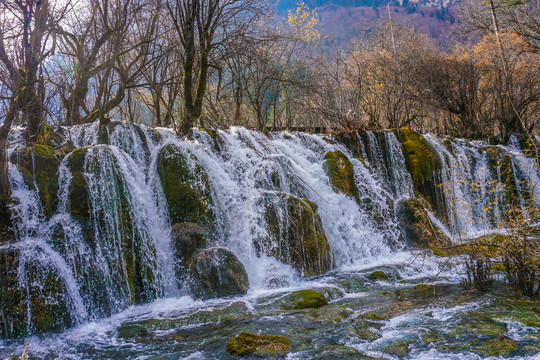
point(216, 64)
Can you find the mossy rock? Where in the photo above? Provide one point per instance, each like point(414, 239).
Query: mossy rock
point(216, 273)
point(131, 330)
point(38, 305)
point(501, 346)
point(367, 334)
point(352, 141)
point(397, 348)
point(372, 316)
point(39, 166)
point(378, 275)
point(187, 239)
point(186, 187)
point(258, 345)
point(133, 271)
point(424, 165)
point(340, 171)
point(303, 299)
point(417, 226)
point(296, 235)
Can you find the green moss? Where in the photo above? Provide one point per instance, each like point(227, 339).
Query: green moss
point(304, 299)
point(420, 157)
point(260, 345)
point(186, 187)
point(340, 171)
point(372, 316)
point(425, 290)
point(424, 165)
point(39, 166)
point(500, 346)
point(419, 230)
point(296, 236)
point(378, 275)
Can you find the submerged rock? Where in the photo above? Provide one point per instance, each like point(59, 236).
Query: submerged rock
point(296, 235)
point(397, 348)
point(39, 166)
point(417, 226)
point(258, 345)
point(340, 171)
point(216, 273)
point(304, 299)
point(132, 330)
point(186, 187)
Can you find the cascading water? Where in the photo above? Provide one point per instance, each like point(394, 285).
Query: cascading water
point(111, 247)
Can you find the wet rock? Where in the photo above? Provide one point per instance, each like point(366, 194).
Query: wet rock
point(340, 171)
point(100, 230)
point(424, 165)
point(33, 297)
point(187, 239)
point(258, 345)
point(500, 346)
point(132, 330)
point(417, 226)
point(303, 299)
point(296, 235)
point(378, 275)
point(186, 187)
point(39, 166)
point(216, 273)
point(397, 348)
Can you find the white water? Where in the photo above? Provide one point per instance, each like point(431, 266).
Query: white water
point(248, 168)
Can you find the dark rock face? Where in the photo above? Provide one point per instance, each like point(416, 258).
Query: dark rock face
point(132, 268)
point(425, 166)
point(216, 273)
point(39, 167)
point(419, 230)
point(40, 292)
point(186, 187)
point(296, 235)
point(187, 239)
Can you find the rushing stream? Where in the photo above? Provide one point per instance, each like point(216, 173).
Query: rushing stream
point(108, 312)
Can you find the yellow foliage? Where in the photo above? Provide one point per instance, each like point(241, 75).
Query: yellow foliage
point(304, 21)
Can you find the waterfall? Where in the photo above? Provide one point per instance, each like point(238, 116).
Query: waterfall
point(108, 244)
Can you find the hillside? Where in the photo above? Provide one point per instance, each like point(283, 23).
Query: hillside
point(344, 20)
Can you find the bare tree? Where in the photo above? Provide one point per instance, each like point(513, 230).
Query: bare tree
point(203, 26)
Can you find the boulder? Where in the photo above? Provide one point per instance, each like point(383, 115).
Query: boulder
point(186, 187)
point(33, 297)
point(187, 239)
point(417, 226)
point(340, 171)
point(39, 167)
point(217, 272)
point(258, 345)
point(304, 299)
point(296, 235)
point(424, 165)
